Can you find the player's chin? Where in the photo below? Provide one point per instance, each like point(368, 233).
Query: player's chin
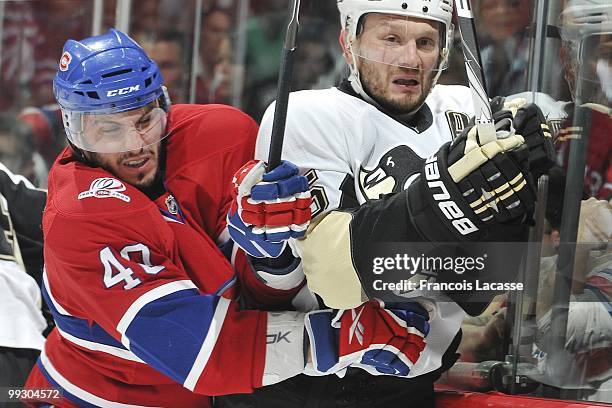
point(404, 103)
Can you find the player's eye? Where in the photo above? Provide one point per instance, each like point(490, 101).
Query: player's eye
point(144, 122)
point(426, 44)
point(391, 39)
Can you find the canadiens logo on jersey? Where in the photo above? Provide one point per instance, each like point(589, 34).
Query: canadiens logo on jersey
point(391, 174)
point(105, 187)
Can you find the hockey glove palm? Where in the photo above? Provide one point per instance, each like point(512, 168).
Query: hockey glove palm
point(381, 341)
point(472, 183)
point(268, 208)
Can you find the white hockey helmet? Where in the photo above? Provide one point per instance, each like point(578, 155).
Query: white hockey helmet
point(351, 12)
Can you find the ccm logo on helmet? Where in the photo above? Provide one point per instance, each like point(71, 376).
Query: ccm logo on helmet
point(123, 91)
point(448, 207)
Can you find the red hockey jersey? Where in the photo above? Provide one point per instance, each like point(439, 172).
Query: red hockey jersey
point(141, 294)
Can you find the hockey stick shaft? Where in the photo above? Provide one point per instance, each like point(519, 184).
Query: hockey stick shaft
point(284, 87)
point(473, 62)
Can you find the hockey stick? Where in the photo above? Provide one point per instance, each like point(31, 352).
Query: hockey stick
point(473, 63)
point(284, 86)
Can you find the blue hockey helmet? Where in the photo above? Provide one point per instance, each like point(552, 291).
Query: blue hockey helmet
point(107, 87)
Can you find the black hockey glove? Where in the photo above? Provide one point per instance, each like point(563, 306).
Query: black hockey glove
point(529, 122)
point(472, 183)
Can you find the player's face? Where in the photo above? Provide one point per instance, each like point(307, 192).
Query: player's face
point(136, 167)
point(138, 135)
point(397, 58)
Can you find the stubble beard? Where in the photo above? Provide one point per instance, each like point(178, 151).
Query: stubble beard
point(143, 182)
point(374, 85)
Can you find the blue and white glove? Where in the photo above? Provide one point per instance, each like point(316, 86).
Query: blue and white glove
point(381, 341)
point(268, 208)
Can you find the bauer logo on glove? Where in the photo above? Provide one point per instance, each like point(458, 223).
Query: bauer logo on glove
point(268, 208)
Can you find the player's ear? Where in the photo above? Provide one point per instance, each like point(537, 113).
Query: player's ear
point(344, 44)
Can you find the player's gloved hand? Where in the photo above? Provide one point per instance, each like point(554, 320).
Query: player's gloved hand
point(529, 122)
point(268, 208)
point(472, 183)
point(382, 341)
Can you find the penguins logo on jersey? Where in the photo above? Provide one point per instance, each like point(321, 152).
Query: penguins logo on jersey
point(457, 121)
point(391, 174)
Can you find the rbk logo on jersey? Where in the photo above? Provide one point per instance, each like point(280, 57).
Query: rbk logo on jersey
point(105, 187)
point(123, 91)
point(392, 173)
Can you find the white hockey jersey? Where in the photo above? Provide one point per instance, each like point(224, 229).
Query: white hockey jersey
point(351, 152)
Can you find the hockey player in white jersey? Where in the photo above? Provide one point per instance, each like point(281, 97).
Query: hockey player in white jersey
point(369, 148)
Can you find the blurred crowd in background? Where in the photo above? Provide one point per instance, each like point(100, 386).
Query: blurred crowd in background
point(234, 59)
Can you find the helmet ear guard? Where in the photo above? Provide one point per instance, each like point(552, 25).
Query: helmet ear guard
point(165, 102)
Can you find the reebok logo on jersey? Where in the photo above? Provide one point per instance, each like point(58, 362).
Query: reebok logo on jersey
point(278, 337)
point(356, 328)
point(105, 187)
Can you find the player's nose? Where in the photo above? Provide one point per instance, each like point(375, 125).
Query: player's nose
point(408, 55)
point(135, 140)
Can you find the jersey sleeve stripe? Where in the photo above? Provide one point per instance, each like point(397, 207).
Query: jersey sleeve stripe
point(146, 298)
point(76, 394)
point(103, 348)
point(79, 328)
point(208, 345)
point(53, 303)
point(225, 286)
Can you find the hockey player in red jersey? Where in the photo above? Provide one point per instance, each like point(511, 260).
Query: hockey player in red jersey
point(145, 302)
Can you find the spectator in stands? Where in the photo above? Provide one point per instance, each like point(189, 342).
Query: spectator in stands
point(45, 125)
point(504, 43)
point(168, 51)
point(17, 150)
point(216, 24)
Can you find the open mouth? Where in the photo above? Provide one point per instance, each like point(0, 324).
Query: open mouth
point(406, 82)
point(136, 163)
